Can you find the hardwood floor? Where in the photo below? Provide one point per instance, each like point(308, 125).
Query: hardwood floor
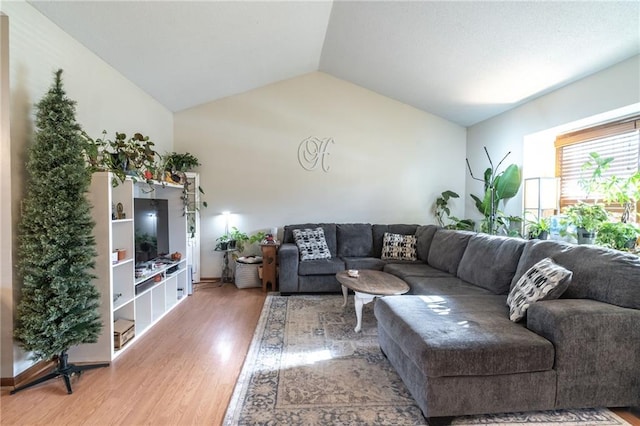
point(182, 372)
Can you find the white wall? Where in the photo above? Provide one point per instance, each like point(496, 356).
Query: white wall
point(612, 88)
point(6, 224)
point(388, 163)
point(105, 101)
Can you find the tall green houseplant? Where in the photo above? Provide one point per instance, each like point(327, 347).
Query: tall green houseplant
point(498, 186)
point(58, 307)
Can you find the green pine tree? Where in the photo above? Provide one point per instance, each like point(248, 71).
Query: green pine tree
point(59, 304)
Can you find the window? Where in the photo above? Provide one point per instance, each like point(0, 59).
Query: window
point(620, 140)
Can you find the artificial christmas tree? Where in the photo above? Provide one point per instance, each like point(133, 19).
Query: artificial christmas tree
point(58, 307)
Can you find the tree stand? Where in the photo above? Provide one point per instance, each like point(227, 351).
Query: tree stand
point(63, 369)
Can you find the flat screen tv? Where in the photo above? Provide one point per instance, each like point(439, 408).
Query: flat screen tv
point(151, 220)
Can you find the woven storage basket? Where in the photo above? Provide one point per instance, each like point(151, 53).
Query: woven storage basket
point(247, 275)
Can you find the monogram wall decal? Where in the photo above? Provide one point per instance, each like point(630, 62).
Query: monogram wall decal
point(313, 153)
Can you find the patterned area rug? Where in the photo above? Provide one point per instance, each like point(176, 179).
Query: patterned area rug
point(306, 366)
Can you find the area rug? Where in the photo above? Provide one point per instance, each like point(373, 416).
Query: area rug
point(306, 366)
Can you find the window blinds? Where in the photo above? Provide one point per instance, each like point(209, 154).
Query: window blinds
point(620, 140)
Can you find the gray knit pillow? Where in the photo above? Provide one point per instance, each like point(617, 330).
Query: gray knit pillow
point(311, 244)
point(545, 280)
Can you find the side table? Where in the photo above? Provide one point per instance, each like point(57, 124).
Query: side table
point(269, 265)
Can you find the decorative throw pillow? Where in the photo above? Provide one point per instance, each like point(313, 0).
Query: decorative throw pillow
point(311, 244)
point(399, 247)
point(545, 280)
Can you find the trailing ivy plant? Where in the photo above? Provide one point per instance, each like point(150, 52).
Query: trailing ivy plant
point(134, 156)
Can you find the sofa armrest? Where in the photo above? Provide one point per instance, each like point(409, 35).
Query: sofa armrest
point(288, 260)
point(597, 350)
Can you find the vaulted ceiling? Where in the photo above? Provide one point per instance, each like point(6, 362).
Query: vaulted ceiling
point(463, 61)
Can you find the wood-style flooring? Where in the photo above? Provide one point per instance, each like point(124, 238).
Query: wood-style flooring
point(182, 372)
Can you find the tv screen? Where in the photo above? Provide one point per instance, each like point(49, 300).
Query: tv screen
point(151, 220)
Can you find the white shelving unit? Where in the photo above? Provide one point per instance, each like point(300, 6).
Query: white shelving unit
point(145, 300)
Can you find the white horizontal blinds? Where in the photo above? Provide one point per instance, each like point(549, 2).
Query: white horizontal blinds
point(620, 140)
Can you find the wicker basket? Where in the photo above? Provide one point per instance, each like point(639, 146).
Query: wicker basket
point(247, 275)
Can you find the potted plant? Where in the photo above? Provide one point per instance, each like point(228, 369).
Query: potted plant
point(587, 218)
point(123, 157)
point(538, 228)
point(443, 212)
point(624, 191)
point(497, 186)
point(513, 225)
point(223, 242)
point(174, 166)
point(241, 238)
point(618, 235)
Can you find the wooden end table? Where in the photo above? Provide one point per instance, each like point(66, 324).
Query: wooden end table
point(367, 286)
point(269, 264)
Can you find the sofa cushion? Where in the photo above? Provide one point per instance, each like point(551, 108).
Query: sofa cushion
point(354, 239)
point(321, 267)
point(462, 336)
point(607, 275)
point(379, 230)
point(329, 234)
point(398, 247)
point(425, 234)
point(447, 249)
point(543, 281)
point(601, 274)
point(364, 263)
point(445, 286)
point(490, 261)
point(536, 250)
point(311, 244)
point(413, 269)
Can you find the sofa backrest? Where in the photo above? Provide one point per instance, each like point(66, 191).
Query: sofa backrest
point(329, 234)
point(424, 237)
point(447, 248)
point(354, 239)
point(379, 230)
point(602, 274)
point(490, 261)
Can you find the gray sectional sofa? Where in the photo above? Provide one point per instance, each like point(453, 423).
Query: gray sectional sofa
point(451, 340)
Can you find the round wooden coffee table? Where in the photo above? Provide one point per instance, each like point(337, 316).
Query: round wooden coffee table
point(368, 285)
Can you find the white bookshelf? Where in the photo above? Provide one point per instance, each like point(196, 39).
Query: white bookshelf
point(121, 293)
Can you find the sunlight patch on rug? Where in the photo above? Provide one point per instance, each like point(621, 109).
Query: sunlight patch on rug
point(306, 366)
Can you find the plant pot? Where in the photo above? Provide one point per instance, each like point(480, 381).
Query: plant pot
point(586, 237)
point(542, 235)
point(631, 243)
point(224, 246)
point(232, 244)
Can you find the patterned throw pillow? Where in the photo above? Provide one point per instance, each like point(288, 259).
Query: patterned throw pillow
point(311, 244)
point(545, 280)
point(399, 247)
